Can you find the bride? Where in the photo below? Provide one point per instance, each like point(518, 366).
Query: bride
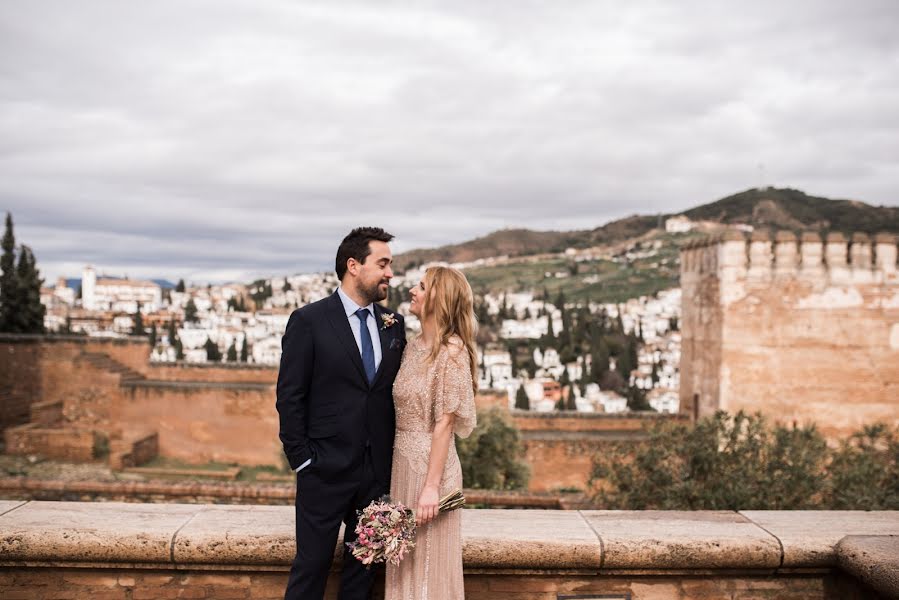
point(434, 398)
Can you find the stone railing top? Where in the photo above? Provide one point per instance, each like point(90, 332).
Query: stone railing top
point(231, 366)
point(77, 339)
point(574, 414)
point(198, 536)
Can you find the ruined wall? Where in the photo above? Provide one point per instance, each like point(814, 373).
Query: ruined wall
point(559, 447)
point(38, 368)
point(799, 329)
point(203, 422)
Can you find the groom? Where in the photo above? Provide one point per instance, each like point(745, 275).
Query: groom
point(339, 358)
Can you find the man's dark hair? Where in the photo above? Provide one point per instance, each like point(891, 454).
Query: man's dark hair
point(355, 245)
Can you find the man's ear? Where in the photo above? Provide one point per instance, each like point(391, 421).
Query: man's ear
point(352, 266)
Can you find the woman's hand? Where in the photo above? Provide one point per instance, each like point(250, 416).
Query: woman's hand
point(428, 502)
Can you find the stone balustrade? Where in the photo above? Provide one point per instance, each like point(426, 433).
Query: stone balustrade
point(135, 551)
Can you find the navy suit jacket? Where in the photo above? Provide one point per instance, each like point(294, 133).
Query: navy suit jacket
point(328, 411)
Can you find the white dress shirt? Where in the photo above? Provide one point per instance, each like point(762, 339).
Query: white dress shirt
point(350, 309)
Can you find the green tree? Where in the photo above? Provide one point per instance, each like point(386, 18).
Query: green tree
point(599, 364)
point(190, 312)
point(864, 472)
point(28, 304)
point(232, 352)
point(154, 335)
point(174, 340)
point(491, 455)
point(244, 351)
point(521, 399)
point(9, 283)
point(213, 354)
point(180, 286)
point(138, 328)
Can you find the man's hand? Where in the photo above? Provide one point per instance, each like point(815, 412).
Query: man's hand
point(427, 505)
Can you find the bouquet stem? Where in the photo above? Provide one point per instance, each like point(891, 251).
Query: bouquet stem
point(451, 501)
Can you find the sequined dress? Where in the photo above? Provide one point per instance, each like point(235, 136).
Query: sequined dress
point(422, 392)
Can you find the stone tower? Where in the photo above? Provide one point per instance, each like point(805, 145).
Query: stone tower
point(800, 329)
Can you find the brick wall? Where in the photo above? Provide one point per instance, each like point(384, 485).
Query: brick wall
point(71, 445)
point(258, 584)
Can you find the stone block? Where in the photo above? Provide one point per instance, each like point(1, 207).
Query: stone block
point(238, 535)
point(872, 559)
point(516, 539)
point(86, 532)
point(682, 540)
point(809, 538)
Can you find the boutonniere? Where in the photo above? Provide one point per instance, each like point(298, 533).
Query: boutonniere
point(389, 320)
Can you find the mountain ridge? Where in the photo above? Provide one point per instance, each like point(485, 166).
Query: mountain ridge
point(776, 208)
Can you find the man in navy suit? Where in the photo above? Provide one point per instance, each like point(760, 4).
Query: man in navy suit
point(339, 358)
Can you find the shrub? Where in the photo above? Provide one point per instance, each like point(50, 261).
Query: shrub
point(491, 455)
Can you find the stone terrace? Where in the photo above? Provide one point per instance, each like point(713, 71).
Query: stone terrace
point(134, 551)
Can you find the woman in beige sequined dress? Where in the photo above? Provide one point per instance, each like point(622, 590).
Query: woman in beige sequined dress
point(434, 399)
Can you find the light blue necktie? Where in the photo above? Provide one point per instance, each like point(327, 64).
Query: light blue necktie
point(368, 351)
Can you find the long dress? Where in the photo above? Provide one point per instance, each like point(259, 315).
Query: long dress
point(423, 392)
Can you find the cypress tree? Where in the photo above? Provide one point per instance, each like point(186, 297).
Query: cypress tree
point(153, 335)
point(30, 317)
point(521, 399)
point(180, 286)
point(232, 352)
point(244, 351)
point(213, 354)
point(9, 285)
point(190, 312)
point(138, 328)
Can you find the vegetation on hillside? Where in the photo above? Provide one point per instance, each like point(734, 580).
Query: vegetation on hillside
point(787, 208)
point(741, 462)
point(782, 208)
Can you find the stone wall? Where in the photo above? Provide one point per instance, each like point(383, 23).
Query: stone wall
point(132, 551)
point(36, 368)
point(799, 329)
point(198, 422)
point(560, 446)
point(226, 413)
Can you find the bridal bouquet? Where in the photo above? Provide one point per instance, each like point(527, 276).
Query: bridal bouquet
point(385, 531)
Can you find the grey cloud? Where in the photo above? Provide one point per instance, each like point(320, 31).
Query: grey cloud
point(233, 137)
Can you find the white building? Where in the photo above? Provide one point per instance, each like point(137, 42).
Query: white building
point(679, 224)
point(664, 401)
point(124, 295)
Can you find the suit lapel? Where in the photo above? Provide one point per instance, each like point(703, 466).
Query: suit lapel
point(384, 336)
point(341, 326)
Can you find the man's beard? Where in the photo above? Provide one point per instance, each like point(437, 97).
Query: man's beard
point(374, 294)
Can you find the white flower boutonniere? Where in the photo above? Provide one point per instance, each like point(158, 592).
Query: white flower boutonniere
point(389, 320)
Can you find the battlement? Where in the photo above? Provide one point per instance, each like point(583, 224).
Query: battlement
point(764, 256)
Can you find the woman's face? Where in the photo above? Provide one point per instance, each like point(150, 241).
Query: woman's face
point(419, 293)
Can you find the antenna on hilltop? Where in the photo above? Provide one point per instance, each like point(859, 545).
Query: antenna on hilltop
point(762, 184)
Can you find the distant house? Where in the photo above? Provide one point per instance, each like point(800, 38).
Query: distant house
point(679, 224)
point(124, 295)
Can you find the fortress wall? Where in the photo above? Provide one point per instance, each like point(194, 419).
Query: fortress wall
point(801, 329)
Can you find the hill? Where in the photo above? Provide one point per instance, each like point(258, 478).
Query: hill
point(781, 208)
point(793, 209)
point(525, 242)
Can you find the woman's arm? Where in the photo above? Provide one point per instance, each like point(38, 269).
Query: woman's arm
point(430, 494)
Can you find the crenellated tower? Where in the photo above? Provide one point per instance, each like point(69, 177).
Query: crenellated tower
point(801, 328)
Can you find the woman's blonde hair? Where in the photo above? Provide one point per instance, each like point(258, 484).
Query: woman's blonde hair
point(451, 302)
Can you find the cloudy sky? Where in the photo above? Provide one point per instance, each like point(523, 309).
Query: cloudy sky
point(228, 139)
